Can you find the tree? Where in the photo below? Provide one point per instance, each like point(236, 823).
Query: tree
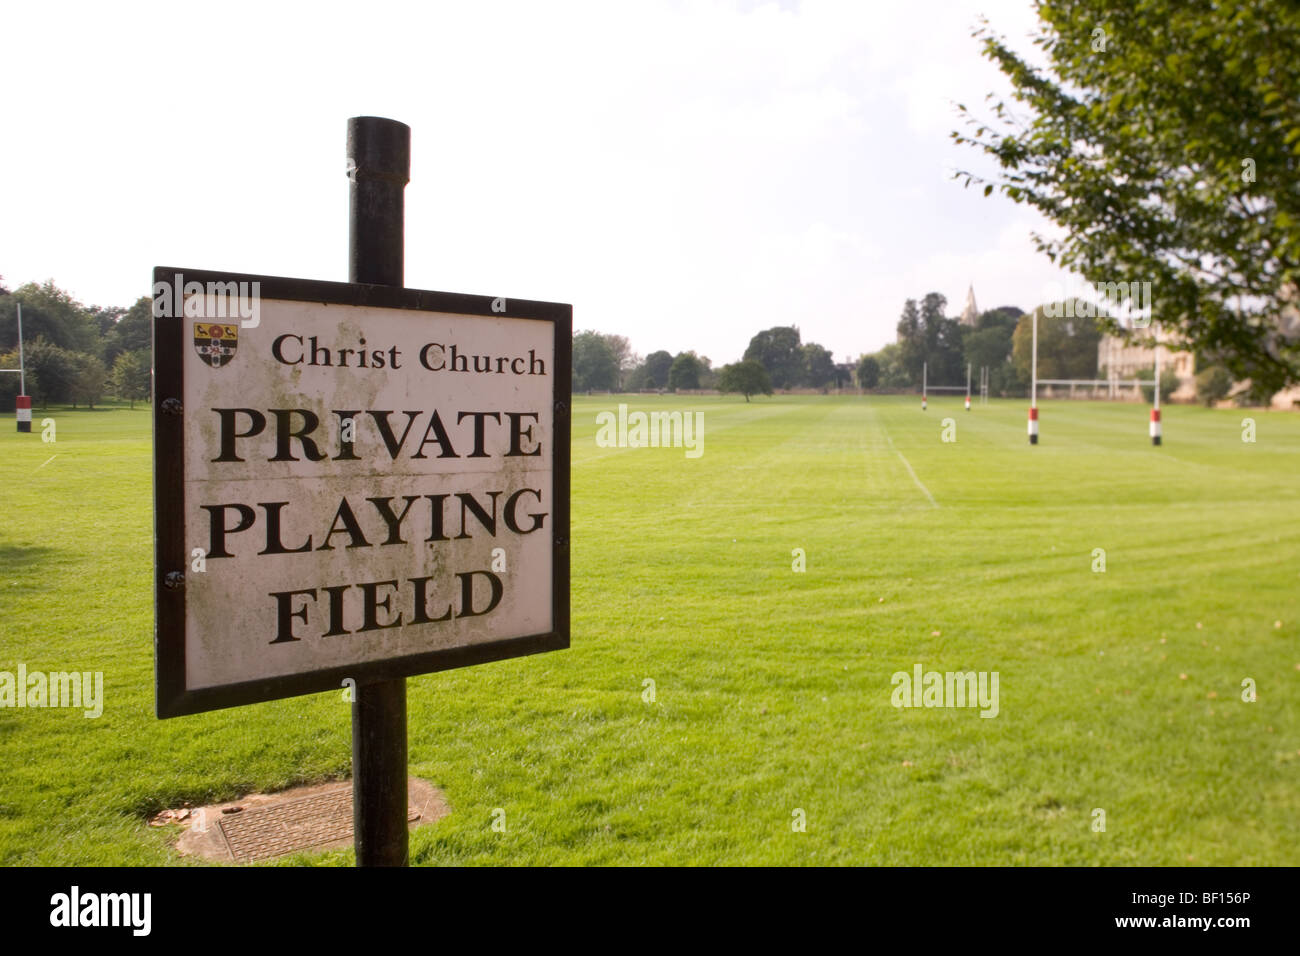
point(928, 339)
point(911, 340)
point(947, 366)
point(1213, 384)
point(624, 358)
point(130, 376)
point(594, 366)
point(685, 372)
point(55, 371)
point(708, 375)
point(988, 345)
point(868, 371)
point(636, 379)
point(657, 366)
point(89, 378)
point(777, 350)
point(1164, 140)
point(133, 332)
point(104, 318)
point(893, 370)
point(748, 377)
point(1168, 382)
point(1003, 315)
point(818, 365)
point(51, 313)
point(1067, 347)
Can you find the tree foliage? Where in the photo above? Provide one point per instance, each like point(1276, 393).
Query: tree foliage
point(748, 377)
point(988, 345)
point(594, 365)
point(930, 343)
point(1163, 137)
point(818, 365)
point(90, 376)
point(1067, 347)
point(1168, 382)
point(1213, 385)
point(911, 340)
point(55, 368)
point(49, 313)
point(778, 351)
point(657, 367)
point(133, 332)
point(685, 372)
point(868, 371)
point(130, 376)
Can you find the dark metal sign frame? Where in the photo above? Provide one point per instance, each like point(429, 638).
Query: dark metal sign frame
point(171, 553)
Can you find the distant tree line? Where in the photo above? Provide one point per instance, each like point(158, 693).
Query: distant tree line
point(775, 358)
point(74, 354)
point(926, 337)
point(78, 354)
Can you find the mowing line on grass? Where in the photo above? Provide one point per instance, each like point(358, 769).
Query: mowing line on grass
point(908, 466)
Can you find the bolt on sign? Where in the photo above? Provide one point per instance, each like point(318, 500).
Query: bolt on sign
point(352, 482)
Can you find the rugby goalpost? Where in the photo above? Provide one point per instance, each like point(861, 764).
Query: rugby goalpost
point(1113, 383)
point(926, 387)
point(23, 402)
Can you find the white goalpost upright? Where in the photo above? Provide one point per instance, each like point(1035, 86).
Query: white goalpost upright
point(968, 386)
point(1155, 394)
point(1033, 386)
point(924, 372)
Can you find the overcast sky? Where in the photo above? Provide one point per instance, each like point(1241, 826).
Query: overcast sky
point(684, 174)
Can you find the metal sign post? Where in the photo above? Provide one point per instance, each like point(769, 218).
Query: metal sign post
point(379, 167)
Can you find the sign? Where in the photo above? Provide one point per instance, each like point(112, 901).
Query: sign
point(352, 482)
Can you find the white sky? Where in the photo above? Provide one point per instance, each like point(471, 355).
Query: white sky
point(684, 174)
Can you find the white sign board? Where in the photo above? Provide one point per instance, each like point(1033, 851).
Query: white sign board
point(353, 482)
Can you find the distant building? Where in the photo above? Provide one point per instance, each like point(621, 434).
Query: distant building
point(1288, 326)
point(1120, 357)
point(970, 315)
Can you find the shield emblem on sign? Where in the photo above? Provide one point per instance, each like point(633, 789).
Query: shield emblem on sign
point(216, 342)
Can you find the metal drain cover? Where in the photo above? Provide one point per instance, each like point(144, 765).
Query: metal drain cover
point(261, 833)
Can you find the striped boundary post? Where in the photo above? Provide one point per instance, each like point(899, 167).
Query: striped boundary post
point(1033, 386)
point(24, 409)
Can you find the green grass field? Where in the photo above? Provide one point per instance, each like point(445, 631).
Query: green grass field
point(1119, 690)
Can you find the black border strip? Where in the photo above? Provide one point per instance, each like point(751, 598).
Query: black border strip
point(173, 698)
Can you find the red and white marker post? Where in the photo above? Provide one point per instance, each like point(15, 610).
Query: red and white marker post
point(1033, 386)
point(24, 413)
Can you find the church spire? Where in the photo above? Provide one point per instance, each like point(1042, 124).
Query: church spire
point(970, 314)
